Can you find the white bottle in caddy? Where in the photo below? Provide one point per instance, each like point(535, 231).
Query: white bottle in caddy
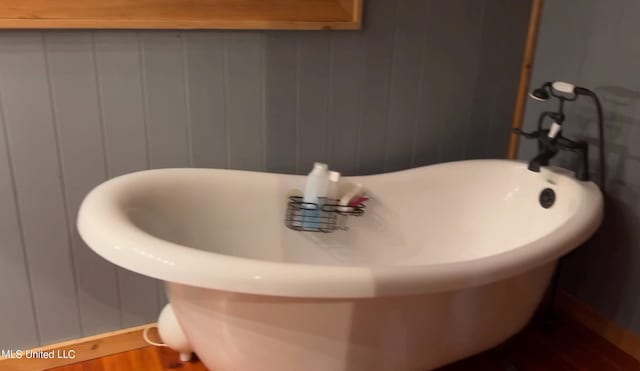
point(332, 188)
point(315, 194)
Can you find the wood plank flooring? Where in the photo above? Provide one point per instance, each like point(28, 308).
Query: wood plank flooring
point(562, 346)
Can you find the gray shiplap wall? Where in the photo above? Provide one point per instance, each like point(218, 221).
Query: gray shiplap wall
point(593, 43)
point(425, 82)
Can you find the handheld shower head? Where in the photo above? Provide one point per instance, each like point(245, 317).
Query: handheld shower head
point(563, 87)
point(542, 93)
point(558, 89)
point(539, 94)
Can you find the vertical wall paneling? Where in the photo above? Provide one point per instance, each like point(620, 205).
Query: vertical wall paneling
point(34, 153)
point(483, 109)
point(80, 107)
point(121, 97)
point(466, 48)
point(453, 38)
point(281, 63)
point(313, 100)
point(345, 100)
point(492, 106)
point(16, 302)
point(244, 106)
point(163, 72)
point(454, 34)
point(76, 110)
point(409, 40)
point(513, 32)
point(118, 63)
point(379, 47)
point(432, 107)
point(205, 82)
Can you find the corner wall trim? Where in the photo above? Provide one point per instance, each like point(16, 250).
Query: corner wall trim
point(85, 349)
point(598, 323)
point(525, 74)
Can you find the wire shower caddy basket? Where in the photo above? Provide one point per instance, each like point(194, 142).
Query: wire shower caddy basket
point(327, 216)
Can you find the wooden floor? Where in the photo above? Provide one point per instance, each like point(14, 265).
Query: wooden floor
point(561, 346)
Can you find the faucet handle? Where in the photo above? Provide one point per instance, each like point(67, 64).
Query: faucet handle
point(571, 145)
point(531, 135)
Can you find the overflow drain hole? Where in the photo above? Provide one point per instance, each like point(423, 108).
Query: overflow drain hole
point(547, 198)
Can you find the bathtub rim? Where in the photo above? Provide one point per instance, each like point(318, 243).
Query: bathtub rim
point(176, 263)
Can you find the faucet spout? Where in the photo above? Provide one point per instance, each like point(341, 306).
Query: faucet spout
point(547, 151)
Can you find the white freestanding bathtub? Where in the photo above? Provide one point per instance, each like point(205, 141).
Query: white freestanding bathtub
point(448, 260)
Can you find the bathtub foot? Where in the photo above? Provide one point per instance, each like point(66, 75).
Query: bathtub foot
point(172, 334)
point(185, 356)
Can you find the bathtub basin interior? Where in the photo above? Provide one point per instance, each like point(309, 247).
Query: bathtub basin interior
point(474, 212)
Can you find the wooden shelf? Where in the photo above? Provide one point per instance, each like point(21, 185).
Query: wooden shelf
point(182, 14)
